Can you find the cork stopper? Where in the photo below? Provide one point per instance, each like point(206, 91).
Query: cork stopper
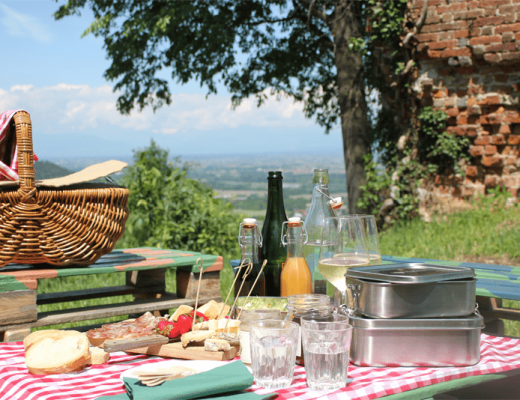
point(295, 221)
point(336, 203)
point(249, 222)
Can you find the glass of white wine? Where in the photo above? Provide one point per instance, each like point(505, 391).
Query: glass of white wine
point(371, 237)
point(343, 246)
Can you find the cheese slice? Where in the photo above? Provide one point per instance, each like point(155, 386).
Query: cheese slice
point(197, 337)
point(228, 325)
point(232, 338)
point(216, 345)
point(201, 326)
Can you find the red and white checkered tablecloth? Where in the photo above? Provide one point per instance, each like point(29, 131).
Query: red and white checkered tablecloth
point(498, 355)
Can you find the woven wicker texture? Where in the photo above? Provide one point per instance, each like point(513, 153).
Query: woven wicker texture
point(60, 226)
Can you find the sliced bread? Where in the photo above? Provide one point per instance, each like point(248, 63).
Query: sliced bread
point(35, 336)
point(58, 352)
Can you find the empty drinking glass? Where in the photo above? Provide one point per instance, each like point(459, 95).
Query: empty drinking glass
point(371, 237)
point(273, 352)
point(326, 345)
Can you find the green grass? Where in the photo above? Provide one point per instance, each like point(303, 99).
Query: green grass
point(487, 233)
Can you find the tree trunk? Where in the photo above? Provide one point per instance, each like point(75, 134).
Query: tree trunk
point(351, 97)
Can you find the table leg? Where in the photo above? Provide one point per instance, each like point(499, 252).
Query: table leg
point(488, 307)
point(187, 284)
point(153, 281)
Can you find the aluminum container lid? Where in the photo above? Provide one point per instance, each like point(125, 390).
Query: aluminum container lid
point(410, 273)
point(474, 321)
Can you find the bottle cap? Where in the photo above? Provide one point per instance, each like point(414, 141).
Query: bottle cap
point(295, 220)
point(249, 221)
point(275, 175)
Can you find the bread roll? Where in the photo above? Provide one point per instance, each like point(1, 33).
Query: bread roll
point(57, 352)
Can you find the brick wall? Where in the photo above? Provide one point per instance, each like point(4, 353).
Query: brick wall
point(468, 54)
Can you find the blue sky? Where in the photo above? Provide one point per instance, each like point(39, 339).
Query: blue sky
point(57, 76)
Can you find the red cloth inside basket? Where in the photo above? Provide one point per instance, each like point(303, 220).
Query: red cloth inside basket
point(9, 148)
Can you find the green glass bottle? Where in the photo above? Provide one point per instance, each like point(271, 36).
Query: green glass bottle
point(273, 250)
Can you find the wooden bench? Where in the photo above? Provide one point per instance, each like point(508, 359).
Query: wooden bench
point(494, 284)
point(145, 270)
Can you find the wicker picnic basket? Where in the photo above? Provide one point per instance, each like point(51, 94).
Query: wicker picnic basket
point(70, 225)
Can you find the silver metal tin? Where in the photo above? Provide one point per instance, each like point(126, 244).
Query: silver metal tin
point(410, 273)
point(434, 342)
point(421, 300)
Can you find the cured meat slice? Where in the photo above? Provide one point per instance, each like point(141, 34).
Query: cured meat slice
point(142, 326)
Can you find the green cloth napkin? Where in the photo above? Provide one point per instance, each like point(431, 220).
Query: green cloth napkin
point(232, 377)
point(230, 396)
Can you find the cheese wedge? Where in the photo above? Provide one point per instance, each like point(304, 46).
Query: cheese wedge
point(181, 310)
point(219, 324)
point(223, 310)
point(197, 337)
point(216, 345)
point(232, 338)
point(210, 310)
point(201, 326)
point(230, 325)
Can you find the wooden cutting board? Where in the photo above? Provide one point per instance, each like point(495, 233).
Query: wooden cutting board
point(175, 350)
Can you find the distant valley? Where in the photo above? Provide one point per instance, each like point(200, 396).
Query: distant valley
point(239, 179)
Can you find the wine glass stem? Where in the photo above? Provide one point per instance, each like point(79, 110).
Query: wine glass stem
point(338, 299)
point(345, 297)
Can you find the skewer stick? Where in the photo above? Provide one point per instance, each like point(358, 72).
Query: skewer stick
point(252, 287)
point(242, 263)
point(246, 273)
point(198, 291)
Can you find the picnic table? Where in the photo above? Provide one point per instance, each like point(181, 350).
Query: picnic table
point(144, 268)
point(494, 284)
point(500, 359)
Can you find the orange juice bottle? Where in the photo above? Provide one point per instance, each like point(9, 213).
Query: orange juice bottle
point(296, 276)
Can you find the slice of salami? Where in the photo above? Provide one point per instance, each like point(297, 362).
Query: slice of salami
point(142, 326)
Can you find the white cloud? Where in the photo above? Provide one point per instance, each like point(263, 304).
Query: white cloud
point(23, 25)
point(65, 108)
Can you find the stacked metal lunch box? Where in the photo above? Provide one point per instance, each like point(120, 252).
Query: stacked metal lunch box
point(413, 315)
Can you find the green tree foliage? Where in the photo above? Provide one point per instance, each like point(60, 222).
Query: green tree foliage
point(169, 210)
point(296, 48)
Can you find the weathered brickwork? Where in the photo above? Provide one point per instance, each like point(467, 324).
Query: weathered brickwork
point(469, 67)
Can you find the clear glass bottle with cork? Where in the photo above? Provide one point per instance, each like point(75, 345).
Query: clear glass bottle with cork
point(250, 240)
point(295, 277)
point(321, 207)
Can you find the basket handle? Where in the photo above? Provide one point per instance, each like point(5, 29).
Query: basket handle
point(24, 142)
